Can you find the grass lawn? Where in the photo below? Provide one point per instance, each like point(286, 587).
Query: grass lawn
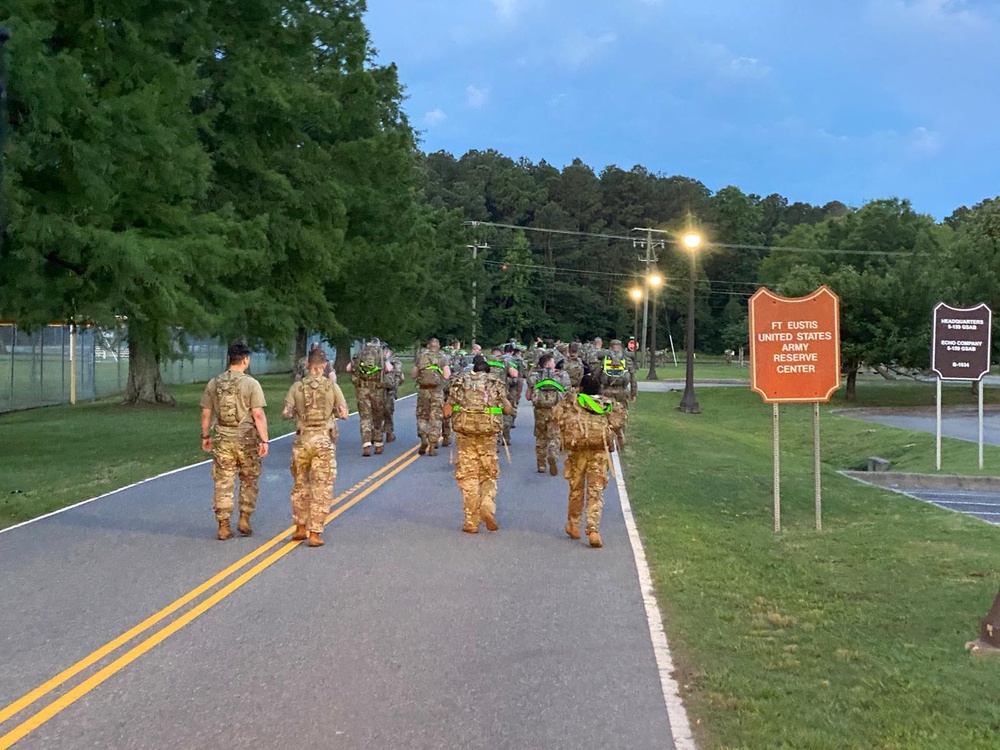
point(59, 455)
point(847, 639)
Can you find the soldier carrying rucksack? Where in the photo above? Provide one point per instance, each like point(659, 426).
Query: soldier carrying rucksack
point(368, 368)
point(547, 386)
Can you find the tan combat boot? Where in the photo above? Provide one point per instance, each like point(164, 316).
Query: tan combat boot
point(553, 466)
point(446, 441)
point(244, 526)
point(573, 531)
point(225, 530)
point(595, 539)
point(470, 527)
point(541, 467)
point(378, 449)
point(366, 451)
point(315, 540)
point(432, 450)
point(491, 523)
point(390, 437)
point(423, 446)
point(300, 533)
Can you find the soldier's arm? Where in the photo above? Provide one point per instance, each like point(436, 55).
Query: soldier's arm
point(505, 404)
point(260, 420)
point(340, 402)
point(414, 372)
point(446, 371)
point(206, 439)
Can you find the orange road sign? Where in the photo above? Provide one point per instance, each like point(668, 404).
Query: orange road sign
point(795, 346)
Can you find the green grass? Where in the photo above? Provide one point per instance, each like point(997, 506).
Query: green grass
point(847, 639)
point(60, 455)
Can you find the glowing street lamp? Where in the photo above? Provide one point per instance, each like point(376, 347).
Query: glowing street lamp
point(689, 404)
point(655, 282)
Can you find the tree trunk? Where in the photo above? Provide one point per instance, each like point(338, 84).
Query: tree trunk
point(301, 343)
point(343, 344)
point(145, 385)
point(852, 382)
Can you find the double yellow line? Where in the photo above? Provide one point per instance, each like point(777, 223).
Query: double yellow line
point(34, 721)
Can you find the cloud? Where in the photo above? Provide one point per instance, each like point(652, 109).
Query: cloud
point(923, 142)
point(476, 97)
point(434, 117)
point(721, 62)
point(579, 48)
point(507, 9)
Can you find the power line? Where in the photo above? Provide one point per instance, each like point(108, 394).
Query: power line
point(731, 246)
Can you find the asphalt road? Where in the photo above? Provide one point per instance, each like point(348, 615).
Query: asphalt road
point(961, 424)
point(983, 505)
point(401, 633)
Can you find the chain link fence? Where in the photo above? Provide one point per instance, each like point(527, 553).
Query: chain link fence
point(38, 368)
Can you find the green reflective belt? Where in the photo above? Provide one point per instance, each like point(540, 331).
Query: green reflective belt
point(433, 367)
point(489, 410)
point(553, 383)
point(368, 371)
point(589, 403)
point(495, 364)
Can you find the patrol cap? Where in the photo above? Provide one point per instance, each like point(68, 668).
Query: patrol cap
point(317, 356)
point(616, 341)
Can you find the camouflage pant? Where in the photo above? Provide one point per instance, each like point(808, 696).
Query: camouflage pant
point(446, 431)
point(514, 394)
point(371, 413)
point(477, 469)
point(430, 403)
point(546, 436)
point(232, 456)
point(390, 411)
point(588, 467)
point(314, 470)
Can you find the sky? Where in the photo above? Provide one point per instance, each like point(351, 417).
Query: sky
point(818, 100)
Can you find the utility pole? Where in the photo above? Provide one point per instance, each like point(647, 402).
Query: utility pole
point(475, 247)
point(4, 36)
point(651, 246)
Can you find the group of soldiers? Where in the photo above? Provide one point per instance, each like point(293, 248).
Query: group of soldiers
point(580, 395)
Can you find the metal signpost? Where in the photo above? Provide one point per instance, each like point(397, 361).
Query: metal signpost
point(795, 358)
point(960, 350)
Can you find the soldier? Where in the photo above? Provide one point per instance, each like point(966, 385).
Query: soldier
point(546, 388)
point(314, 402)
point(478, 402)
point(302, 366)
point(506, 373)
point(617, 378)
point(367, 368)
point(512, 357)
point(587, 426)
point(594, 354)
point(430, 371)
point(573, 365)
point(236, 401)
point(391, 380)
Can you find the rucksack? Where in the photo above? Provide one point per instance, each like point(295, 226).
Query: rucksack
point(429, 372)
point(547, 392)
point(370, 363)
point(472, 415)
point(317, 407)
point(573, 367)
point(227, 397)
point(587, 425)
point(615, 371)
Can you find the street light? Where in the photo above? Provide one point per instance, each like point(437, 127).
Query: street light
point(636, 294)
point(655, 281)
point(689, 403)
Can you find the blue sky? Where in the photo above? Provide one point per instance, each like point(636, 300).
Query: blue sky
point(818, 100)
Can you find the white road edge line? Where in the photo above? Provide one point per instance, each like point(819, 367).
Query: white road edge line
point(141, 481)
point(680, 727)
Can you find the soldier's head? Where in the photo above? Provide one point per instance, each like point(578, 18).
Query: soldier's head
point(574, 348)
point(598, 342)
point(476, 349)
point(497, 351)
point(479, 364)
point(546, 361)
point(237, 352)
point(374, 341)
point(456, 345)
point(317, 356)
point(433, 344)
point(508, 348)
point(590, 385)
point(616, 346)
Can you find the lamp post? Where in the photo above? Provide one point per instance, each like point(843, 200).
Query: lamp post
point(4, 36)
point(655, 281)
point(636, 294)
point(689, 403)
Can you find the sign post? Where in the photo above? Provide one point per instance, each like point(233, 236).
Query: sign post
point(795, 358)
point(960, 350)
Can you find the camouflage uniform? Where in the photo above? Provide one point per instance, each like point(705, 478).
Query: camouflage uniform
point(430, 396)
point(574, 368)
point(476, 466)
point(313, 401)
point(367, 368)
point(587, 468)
point(554, 384)
point(231, 397)
point(391, 381)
